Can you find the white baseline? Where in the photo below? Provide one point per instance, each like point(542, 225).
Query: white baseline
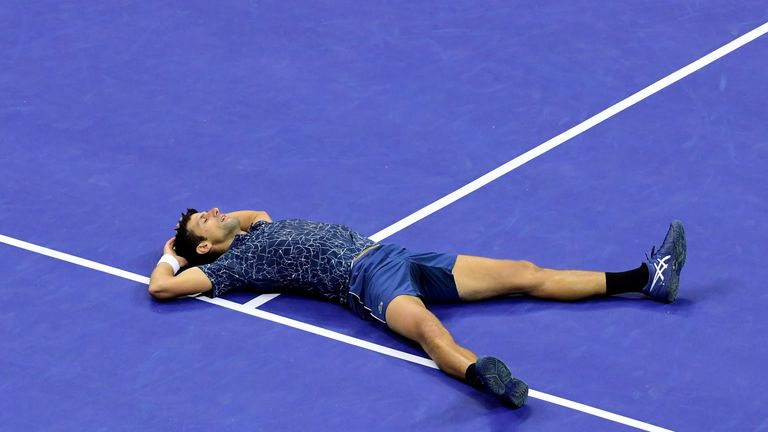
point(250, 310)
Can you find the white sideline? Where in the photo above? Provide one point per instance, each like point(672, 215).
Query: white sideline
point(570, 133)
point(423, 361)
point(74, 259)
point(565, 136)
point(249, 309)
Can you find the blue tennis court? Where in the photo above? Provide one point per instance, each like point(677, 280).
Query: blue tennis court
point(117, 116)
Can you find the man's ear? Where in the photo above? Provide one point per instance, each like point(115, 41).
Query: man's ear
point(204, 247)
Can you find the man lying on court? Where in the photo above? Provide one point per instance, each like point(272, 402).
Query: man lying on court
point(246, 249)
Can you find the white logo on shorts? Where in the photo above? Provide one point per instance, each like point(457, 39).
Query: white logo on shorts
point(381, 306)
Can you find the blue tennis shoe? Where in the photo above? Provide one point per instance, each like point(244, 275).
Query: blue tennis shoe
point(497, 379)
point(665, 264)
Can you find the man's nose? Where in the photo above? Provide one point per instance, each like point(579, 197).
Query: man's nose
point(214, 211)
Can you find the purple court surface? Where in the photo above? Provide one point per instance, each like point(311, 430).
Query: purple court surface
point(115, 116)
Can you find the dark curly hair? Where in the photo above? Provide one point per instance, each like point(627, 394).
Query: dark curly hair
point(186, 242)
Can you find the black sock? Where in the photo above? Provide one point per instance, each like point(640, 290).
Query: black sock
point(472, 377)
point(628, 281)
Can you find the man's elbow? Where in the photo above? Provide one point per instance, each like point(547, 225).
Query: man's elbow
point(159, 292)
point(262, 215)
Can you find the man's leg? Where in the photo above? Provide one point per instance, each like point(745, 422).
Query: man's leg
point(408, 316)
point(658, 277)
point(480, 278)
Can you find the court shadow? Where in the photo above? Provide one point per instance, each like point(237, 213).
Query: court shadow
point(521, 306)
point(468, 408)
point(185, 304)
point(176, 306)
point(702, 292)
point(458, 417)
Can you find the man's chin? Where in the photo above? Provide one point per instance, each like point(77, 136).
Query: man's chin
point(232, 225)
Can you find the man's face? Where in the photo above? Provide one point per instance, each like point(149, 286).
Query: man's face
point(215, 227)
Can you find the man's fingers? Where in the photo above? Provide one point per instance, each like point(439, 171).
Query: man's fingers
point(168, 247)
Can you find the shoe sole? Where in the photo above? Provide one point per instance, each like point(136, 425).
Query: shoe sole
point(496, 378)
point(680, 251)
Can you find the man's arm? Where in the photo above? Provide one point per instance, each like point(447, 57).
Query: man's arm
point(249, 217)
point(164, 285)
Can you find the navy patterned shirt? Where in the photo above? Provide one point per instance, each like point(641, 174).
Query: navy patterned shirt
point(289, 256)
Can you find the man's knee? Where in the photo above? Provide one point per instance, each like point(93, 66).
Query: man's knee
point(431, 331)
point(426, 329)
point(410, 318)
point(525, 275)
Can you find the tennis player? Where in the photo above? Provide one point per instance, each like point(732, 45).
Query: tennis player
point(386, 282)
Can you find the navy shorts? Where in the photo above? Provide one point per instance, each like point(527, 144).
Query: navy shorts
point(387, 271)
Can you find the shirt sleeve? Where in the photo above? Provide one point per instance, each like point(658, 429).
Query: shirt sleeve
point(224, 276)
point(257, 225)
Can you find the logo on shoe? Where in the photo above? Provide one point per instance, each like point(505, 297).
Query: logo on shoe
point(660, 265)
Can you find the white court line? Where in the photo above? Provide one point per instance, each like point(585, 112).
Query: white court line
point(74, 259)
point(250, 310)
point(565, 136)
point(259, 300)
point(437, 205)
point(423, 361)
point(570, 133)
